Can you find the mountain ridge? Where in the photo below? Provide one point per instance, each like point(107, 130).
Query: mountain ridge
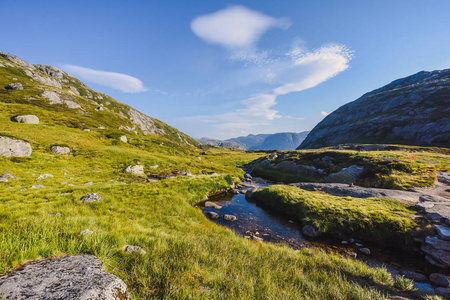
point(414, 110)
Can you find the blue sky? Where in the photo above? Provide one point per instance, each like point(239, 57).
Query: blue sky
point(224, 69)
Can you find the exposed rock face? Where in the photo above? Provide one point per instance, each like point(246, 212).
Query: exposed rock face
point(55, 98)
point(14, 147)
point(14, 86)
point(72, 277)
point(136, 170)
point(52, 71)
point(27, 119)
point(60, 149)
point(145, 123)
point(414, 111)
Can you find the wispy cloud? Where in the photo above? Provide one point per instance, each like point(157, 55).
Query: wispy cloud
point(324, 113)
point(235, 27)
point(300, 69)
point(118, 81)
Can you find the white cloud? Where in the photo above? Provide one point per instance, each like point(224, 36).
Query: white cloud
point(118, 81)
point(301, 69)
point(324, 113)
point(235, 26)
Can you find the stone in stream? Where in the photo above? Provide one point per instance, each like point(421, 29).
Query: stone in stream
point(249, 193)
point(444, 292)
point(212, 215)
point(439, 280)
point(229, 218)
point(310, 230)
point(212, 204)
point(417, 277)
point(71, 277)
point(365, 251)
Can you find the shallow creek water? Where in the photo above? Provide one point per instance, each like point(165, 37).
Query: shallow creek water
point(256, 220)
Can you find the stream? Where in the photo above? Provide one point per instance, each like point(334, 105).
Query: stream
point(254, 220)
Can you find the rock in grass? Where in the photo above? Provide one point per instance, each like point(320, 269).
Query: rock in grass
point(124, 139)
point(439, 280)
point(86, 232)
point(14, 147)
point(135, 170)
point(212, 204)
point(37, 186)
point(14, 86)
point(26, 119)
point(310, 230)
point(91, 198)
point(60, 149)
point(212, 215)
point(130, 249)
point(45, 176)
point(229, 218)
point(71, 277)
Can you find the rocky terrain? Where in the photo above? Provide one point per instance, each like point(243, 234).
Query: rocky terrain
point(414, 110)
point(276, 141)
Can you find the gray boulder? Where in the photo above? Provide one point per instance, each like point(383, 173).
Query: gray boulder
point(346, 175)
point(135, 170)
point(124, 139)
point(26, 119)
point(14, 147)
point(444, 292)
point(14, 86)
point(71, 277)
point(60, 149)
point(417, 277)
point(91, 198)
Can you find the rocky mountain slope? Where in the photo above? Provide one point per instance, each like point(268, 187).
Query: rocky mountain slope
point(414, 110)
point(39, 89)
point(278, 141)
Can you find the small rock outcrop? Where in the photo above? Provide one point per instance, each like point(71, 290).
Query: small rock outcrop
point(14, 86)
point(14, 147)
point(346, 175)
point(26, 119)
point(91, 198)
point(71, 277)
point(60, 149)
point(135, 170)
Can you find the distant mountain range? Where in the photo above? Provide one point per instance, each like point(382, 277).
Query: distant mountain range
point(414, 110)
point(276, 141)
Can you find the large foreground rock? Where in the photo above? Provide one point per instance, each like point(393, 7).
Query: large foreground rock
point(72, 277)
point(26, 119)
point(14, 147)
